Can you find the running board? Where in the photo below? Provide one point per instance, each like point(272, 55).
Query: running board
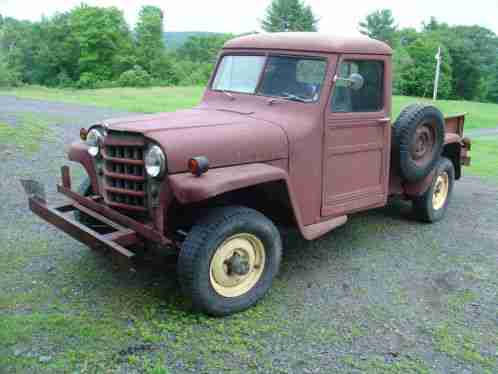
point(316, 230)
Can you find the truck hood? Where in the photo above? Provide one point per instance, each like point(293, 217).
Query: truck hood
point(224, 137)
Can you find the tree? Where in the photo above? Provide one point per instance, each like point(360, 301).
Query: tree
point(17, 47)
point(8, 77)
point(417, 77)
point(289, 15)
point(473, 50)
point(402, 61)
point(433, 25)
point(57, 56)
point(405, 36)
point(492, 91)
point(149, 37)
point(380, 25)
point(203, 48)
point(104, 41)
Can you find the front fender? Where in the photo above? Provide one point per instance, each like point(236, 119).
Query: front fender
point(188, 188)
point(78, 152)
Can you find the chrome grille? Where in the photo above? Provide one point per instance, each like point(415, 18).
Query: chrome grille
point(125, 183)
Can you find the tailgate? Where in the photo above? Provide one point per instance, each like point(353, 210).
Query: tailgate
point(454, 134)
point(454, 124)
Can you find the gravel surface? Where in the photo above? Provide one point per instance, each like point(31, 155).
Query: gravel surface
point(383, 293)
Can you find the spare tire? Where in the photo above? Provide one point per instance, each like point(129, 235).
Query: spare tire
point(417, 141)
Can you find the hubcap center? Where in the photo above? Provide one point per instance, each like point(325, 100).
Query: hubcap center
point(237, 264)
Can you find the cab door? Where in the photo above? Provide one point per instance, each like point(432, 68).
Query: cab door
point(357, 136)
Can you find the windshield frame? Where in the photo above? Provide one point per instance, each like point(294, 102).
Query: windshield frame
point(267, 56)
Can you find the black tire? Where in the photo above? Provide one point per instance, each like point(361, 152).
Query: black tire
point(85, 189)
point(417, 141)
point(423, 206)
point(200, 246)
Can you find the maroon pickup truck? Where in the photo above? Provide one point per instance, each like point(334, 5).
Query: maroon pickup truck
point(293, 128)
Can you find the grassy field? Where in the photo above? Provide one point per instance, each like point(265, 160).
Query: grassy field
point(27, 134)
point(164, 99)
point(485, 158)
point(146, 100)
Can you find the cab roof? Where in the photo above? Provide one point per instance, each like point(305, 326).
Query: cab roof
point(309, 42)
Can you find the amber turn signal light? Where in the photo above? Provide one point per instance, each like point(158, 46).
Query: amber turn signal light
point(83, 134)
point(198, 165)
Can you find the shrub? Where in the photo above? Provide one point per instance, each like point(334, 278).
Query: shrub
point(191, 73)
point(8, 76)
point(136, 77)
point(63, 80)
point(107, 84)
point(163, 70)
point(87, 80)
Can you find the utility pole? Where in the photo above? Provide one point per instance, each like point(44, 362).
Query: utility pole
point(436, 78)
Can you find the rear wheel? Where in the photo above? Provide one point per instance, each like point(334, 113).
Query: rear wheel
point(229, 260)
point(432, 205)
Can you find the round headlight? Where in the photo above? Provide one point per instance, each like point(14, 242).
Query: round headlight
point(94, 139)
point(155, 162)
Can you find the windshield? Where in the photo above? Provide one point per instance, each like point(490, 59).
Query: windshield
point(293, 78)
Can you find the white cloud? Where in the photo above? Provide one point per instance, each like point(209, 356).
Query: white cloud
point(237, 16)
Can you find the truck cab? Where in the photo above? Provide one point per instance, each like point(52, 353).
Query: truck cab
point(293, 128)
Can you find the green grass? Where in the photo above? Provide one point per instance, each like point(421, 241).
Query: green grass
point(146, 100)
point(164, 99)
point(461, 344)
point(484, 156)
point(27, 134)
point(479, 115)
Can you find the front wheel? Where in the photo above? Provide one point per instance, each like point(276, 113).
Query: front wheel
point(432, 205)
point(229, 259)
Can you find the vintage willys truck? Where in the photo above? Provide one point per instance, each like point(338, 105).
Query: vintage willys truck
point(292, 128)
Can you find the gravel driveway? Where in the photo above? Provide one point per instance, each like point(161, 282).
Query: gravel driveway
point(383, 293)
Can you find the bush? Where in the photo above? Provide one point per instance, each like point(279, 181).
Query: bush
point(9, 77)
point(107, 84)
point(191, 73)
point(63, 80)
point(136, 77)
point(163, 70)
point(87, 80)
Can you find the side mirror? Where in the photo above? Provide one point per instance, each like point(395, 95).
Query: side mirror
point(355, 81)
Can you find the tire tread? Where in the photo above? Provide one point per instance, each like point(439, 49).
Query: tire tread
point(193, 247)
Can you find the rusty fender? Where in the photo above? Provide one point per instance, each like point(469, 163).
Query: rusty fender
point(188, 188)
point(78, 152)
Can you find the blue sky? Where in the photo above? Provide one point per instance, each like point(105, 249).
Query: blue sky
point(237, 16)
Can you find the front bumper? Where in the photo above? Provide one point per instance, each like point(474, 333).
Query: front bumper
point(121, 231)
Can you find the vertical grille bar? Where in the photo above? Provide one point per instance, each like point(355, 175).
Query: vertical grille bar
point(124, 175)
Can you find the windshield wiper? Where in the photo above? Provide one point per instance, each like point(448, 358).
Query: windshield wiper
point(293, 97)
point(228, 94)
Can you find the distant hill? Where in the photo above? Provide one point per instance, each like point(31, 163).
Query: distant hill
point(175, 39)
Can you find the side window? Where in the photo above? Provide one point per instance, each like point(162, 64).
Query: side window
point(369, 98)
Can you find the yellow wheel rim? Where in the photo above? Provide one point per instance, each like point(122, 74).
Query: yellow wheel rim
point(441, 189)
point(237, 265)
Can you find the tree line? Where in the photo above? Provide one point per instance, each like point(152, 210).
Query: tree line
point(93, 47)
point(469, 68)
point(469, 54)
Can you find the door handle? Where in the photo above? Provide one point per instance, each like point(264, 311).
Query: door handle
point(383, 121)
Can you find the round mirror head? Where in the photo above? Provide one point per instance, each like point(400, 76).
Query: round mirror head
point(357, 81)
